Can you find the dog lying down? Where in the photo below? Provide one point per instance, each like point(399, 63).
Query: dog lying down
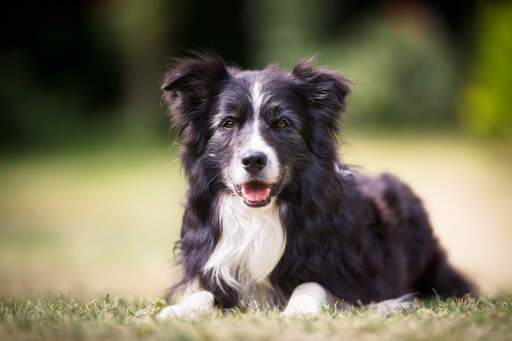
point(273, 217)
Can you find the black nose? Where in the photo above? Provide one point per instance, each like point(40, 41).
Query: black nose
point(254, 162)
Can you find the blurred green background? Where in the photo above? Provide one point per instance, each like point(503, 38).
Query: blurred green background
point(90, 184)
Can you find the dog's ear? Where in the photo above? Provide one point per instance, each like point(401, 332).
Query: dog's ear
point(188, 86)
point(324, 90)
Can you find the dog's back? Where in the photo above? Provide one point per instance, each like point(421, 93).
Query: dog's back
point(403, 234)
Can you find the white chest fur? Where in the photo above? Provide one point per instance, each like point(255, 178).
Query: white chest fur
point(252, 242)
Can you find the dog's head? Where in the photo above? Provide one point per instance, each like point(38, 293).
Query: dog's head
point(257, 128)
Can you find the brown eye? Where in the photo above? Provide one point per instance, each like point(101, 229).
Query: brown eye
point(281, 124)
point(230, 123)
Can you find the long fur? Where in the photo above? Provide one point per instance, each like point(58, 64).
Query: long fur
point(364, 239)
point(251, 243)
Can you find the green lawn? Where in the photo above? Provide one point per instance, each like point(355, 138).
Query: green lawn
point(60, 317)
point(90, 222)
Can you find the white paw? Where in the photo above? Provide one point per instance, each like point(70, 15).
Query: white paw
point(303, 305)
point(307, 299)
point(190, 307)
point(179, 311)
point(302, 310)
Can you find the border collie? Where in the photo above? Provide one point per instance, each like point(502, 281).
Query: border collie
point(272, 215)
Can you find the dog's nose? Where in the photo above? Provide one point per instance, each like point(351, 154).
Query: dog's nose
point(254, 162)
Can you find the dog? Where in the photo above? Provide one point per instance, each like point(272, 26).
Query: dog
point(273, 217)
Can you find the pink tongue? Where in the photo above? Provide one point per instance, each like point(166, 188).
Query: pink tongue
point(255, 191)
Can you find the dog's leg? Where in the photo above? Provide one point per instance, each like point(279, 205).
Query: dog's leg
point(307, 299)
point(192, 304)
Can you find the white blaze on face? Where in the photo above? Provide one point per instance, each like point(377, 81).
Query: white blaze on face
point(257, 96)
point(256, 143)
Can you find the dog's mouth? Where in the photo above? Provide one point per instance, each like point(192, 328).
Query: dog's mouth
point(256, 193)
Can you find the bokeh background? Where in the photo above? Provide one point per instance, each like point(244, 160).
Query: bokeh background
point(90, 184)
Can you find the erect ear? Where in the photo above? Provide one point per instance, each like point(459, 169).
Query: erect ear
point(324, 90)
point(188, 86)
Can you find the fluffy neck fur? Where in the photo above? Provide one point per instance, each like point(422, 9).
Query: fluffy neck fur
point(251, 243)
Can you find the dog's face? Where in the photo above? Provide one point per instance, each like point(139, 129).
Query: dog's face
point(259, 128)
point(257, 135)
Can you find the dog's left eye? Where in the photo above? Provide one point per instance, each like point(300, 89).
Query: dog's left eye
point(229, 123)
point(281, 124)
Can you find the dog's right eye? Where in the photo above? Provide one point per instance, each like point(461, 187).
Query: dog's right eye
point(229, 123)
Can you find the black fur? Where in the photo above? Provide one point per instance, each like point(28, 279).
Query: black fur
point(362, 238)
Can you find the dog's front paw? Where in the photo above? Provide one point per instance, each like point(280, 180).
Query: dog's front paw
point(190, 307)
point(302, 311)
point(304, 307)
point(179, 311)
point(307, 299)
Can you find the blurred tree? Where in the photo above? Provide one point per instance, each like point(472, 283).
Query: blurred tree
point(143, 35)
point(403, 69)
point(286, 31)
point(72, 70)
point(486, 104)
point(56, 78)
point(211, 25)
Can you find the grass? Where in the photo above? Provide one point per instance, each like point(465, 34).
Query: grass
point(61, 317)
point(104, 219)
